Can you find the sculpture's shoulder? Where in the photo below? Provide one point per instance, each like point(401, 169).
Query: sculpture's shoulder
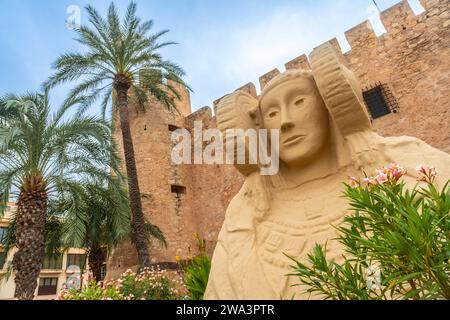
point(410, 152)
point(410, 147)
point(413, 144)
point(250, 200)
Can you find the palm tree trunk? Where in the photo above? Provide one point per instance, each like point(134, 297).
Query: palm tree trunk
point(31, 211)
point(96, 258)
point(137, 216)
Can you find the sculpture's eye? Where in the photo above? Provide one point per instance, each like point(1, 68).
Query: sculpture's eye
point(273, 114)
point(299, 102)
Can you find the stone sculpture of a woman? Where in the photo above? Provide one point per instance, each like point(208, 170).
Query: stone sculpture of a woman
point(325, 137)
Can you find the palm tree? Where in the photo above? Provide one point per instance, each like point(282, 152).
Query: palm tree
point(53, 235)
point(40, 156)
point(121, 58)
point(99, 221)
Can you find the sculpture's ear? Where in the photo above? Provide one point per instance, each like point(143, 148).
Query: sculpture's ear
point(340, 90)
point(238, 110)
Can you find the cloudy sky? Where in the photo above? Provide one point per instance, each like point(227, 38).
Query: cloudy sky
point(223, 44)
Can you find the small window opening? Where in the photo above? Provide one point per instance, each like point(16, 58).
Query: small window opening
point(178, 189)
point(173, 128)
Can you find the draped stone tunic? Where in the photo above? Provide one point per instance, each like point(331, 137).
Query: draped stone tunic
point(249, 260)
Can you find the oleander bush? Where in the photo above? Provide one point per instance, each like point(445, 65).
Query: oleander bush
point(188, 282)
point(397, 242)
point(149, 284)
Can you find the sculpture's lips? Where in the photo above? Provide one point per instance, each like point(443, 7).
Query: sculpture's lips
point(294, 139)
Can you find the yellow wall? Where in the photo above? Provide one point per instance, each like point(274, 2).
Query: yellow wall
point(7, 285)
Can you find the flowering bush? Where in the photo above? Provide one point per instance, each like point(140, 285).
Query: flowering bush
point(149, 284)
point(397, 242)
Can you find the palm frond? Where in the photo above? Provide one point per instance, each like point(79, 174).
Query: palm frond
point(116, 48)
point(68, 154)
point(156, 233)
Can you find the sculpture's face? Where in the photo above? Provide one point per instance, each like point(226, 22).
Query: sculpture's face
point(296, 108)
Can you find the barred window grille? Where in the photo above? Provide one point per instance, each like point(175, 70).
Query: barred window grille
point(379, 100)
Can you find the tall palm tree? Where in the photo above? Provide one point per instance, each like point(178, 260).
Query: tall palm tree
point(121, 58)
point(41, 154)
point(53, 235)
point(99, 222)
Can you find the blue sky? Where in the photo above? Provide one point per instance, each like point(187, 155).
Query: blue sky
point(223, 44)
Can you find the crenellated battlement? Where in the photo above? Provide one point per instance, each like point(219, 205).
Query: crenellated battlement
point(427, 4)
point(264, 80)
point(301, 62)
point(362, 33)
point(398, 19)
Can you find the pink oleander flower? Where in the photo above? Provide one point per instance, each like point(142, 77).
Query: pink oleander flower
point(381, 177)
point(426, 173)
point(353, 182)
point(370, 181)
point(395, 171)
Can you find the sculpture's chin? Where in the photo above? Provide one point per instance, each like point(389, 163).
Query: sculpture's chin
point(299, 155)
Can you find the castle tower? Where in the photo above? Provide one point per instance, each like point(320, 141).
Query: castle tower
point(181, 200)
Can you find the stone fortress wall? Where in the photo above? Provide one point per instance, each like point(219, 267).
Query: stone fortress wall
point(412, 59)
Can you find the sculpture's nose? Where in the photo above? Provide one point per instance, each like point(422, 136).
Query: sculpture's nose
point(286, 119)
